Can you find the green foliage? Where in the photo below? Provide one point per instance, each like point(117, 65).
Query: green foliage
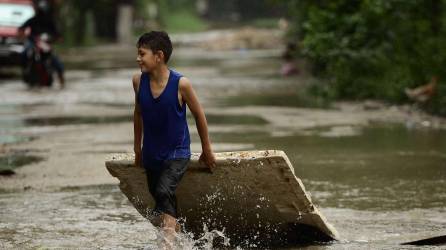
point(438, 103)
point(83, 22)
point(86, 22)
point(184, 21)
point(267, 23)
point(374, 48)
point(176, 15)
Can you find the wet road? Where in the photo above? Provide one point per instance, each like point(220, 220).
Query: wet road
point(377, 175)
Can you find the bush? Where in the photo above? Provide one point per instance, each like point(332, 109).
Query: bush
point(374, 48)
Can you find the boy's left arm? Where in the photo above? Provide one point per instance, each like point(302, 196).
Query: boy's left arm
point(189, 97)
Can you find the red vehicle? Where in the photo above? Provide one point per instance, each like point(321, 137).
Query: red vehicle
point(13, 13)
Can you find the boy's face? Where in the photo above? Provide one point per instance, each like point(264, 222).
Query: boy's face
point(148, 60)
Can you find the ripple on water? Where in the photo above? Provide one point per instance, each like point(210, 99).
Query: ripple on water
point(84, 217)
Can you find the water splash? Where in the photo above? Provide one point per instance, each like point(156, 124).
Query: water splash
point(187, 241)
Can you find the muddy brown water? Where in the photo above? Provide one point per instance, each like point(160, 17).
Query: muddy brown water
point(379, 184)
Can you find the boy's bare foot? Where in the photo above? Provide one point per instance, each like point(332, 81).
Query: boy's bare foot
point(169, 226)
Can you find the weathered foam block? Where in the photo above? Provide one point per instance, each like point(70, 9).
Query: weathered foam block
point(250, 194)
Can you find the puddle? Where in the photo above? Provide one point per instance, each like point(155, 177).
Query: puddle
point(76, 120)
point(128, 106)
point(17, 123)
point(101, 217)
point(101, 64)
point(372, 183)
point(9, 139)
point(88, 217)
point(17, 159)
point(276, 99)
point(205, 62)
point(380, 167)
point(235, 119)
point(59, 121)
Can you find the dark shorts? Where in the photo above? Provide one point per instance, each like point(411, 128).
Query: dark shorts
point(163, 183)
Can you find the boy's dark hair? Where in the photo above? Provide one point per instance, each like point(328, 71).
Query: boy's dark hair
point(155, 41)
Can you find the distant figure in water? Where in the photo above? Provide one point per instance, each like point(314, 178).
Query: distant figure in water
point(289, 66)
point(43, 22)
point(161, 96)
point(423, 92)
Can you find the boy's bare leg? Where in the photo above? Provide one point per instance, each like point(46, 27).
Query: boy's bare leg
point(169, 226)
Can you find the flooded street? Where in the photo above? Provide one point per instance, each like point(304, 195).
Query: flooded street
point(377, 174)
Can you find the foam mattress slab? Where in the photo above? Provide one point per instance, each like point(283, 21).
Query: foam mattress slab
point(249, 195)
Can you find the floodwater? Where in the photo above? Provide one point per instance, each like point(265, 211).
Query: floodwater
point(379, 184)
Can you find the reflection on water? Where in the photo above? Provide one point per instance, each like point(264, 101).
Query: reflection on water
point(7, 139)
point(102, 217)
point(13, 123)
point(379, 188)
point(233, 119)
point(90, 217)
point(16, 159)
point(290, 99)
point(383, 167)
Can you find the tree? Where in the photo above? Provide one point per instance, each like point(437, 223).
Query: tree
point(373, 48)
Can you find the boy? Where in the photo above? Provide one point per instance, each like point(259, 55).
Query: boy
point(161, 96)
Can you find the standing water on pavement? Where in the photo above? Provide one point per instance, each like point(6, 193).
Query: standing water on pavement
point(379, 183)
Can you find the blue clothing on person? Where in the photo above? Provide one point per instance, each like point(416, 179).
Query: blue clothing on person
point(165, 131)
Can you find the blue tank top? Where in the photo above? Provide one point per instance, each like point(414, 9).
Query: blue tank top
point(165, 134)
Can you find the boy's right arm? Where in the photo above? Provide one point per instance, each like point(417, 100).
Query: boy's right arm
point(137, 122)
